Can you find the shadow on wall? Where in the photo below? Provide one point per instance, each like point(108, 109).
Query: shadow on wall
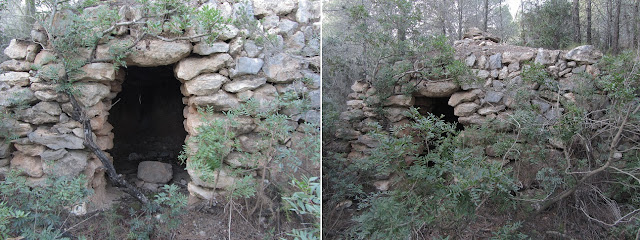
point(147, 118)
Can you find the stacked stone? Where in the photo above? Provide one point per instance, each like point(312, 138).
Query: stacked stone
point(222, 75)
point(49, 142)
point(498, 70)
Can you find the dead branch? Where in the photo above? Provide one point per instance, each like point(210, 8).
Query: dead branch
point(612, 150)
point(80, 115)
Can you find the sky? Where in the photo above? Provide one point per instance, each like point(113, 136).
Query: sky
point(513, 6)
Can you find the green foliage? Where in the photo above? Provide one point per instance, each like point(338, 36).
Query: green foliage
point(545, 25)
point(306, 202)
point(207, 150)
point(509, 232)
point(160, 219)
point(619, 77)
point(535, 73)
point(245, 20)
point(38, 213)
point(441, 187)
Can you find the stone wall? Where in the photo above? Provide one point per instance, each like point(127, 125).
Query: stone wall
point(497, 69)
point(222, 75)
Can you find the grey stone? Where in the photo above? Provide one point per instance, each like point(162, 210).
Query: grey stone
point(546, 57)
point(203, 48)
point(493, 97)
point(16, 65)
point(205, 84)
point(495, 61)
point(5, 149)
point(460, 97)
point(351, 115)
point(541, 105)
point(220, 101)
point(55, 141)
point(52, 155)
point(155, 172)
point(189, 68)
point(246, 65)
point(252, 49)
point(585, 53)
point(17, 95)
point(17, 49)
point(311, 116)
point(71, 164)
point(97, 72)
point(273, 7)
point(316, 101)
point(483, 74)
point(15, 78)
point(287, 27)
point(307, 10)
point(437, 89)
point(282, 68)
point(92, 93)
point(516, 57)
point(243, 84)
point(465, 109)
point(151, 53)
point(580, 69)
point(470, 60)
point(229, 31)
point(489, 110)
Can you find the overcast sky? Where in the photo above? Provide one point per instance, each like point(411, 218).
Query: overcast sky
point(513, 6)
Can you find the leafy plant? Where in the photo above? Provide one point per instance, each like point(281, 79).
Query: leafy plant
point(38, 213)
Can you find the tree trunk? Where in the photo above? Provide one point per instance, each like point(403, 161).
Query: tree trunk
point(635, 22)
point(576, 21)
point(486, 15)
point(460, 19)
point(616, 28)
point(444, 14)
point(589, 21)
point(500, 25)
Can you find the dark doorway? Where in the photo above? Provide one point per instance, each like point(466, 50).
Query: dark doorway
point(438, 107)
point(147, 118)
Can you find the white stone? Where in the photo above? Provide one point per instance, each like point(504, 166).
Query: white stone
point(155, 172)
point(15, 78)
point(91, 93)
point(205, 84)
point(246, 65)
point(271, 7)
point(203, 48)
point(282, 68)
point(152, 53)
point(243, 84)
point(189, 68)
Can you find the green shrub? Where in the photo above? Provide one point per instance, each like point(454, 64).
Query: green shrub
point(38, 212)
point(441, 187)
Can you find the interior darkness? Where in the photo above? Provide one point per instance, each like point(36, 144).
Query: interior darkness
point(438, 107)
point(147, 118)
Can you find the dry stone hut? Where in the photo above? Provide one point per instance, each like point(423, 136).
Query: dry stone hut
point(144, 112)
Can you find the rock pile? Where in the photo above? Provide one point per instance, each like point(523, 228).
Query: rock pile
point(497, 69)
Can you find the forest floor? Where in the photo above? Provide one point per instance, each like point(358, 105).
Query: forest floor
point(201, 221)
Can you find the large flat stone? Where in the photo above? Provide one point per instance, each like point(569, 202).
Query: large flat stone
point(189, 68)
point(152, 53)
point(55, 140)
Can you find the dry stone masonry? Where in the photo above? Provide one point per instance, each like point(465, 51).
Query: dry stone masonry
point(497, 68)
point(223, 75)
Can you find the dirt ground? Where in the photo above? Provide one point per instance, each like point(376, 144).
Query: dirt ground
point(201, 221)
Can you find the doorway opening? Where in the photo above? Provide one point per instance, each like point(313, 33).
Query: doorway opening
point(438, 107)
point(147, 119)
